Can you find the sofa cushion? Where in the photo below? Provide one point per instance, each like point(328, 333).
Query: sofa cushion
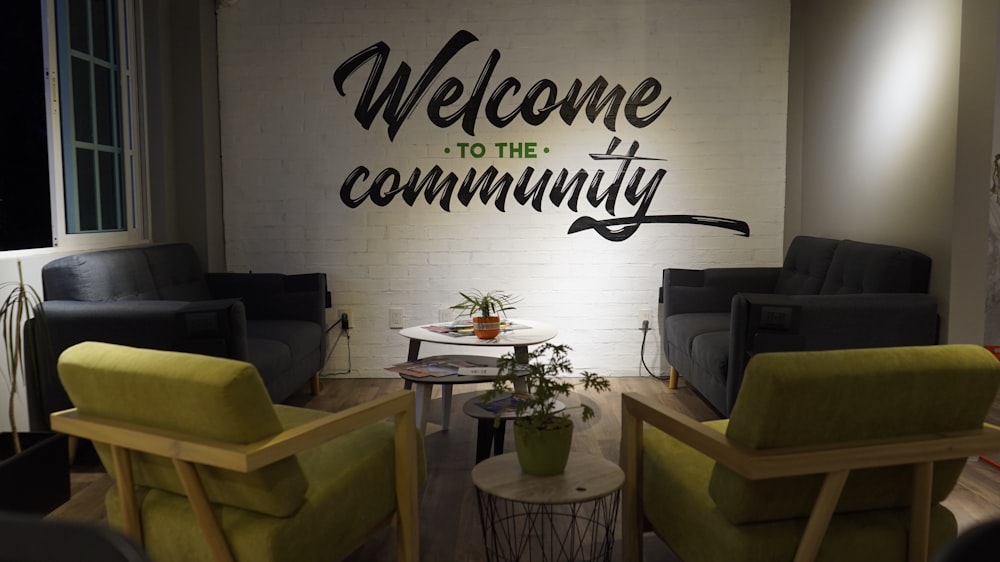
point(805, 267)
point(301, 338)
point(157, 272)
point(682, 329)
point(176, 272)
point(710, 352)
point(271, 357)
point(794, 399)
point(859, 267)
point(99, 276)
point(207, 397)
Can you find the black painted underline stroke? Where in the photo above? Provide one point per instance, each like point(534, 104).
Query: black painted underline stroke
point(585, 223)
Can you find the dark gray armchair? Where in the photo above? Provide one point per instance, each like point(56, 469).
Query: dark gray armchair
point(828, 294)
point(159, 297)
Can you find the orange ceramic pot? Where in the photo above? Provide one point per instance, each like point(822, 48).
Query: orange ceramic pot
point(486, 328)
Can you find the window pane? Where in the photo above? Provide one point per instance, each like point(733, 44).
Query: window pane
point(93, 117)
point(86, 203)
point(102, 104)
point(83, 130)
point(110, 194)
point(99, 18)
point(79, 29)
point(96, 189)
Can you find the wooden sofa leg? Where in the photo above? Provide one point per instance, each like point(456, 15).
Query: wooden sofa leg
point(315, 385)
point(672, 384)
point(73, 445)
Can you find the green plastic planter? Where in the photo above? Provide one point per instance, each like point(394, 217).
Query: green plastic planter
point(543, 452)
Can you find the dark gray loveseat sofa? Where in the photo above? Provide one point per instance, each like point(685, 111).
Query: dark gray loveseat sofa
point(159, 297)
point(828, 294)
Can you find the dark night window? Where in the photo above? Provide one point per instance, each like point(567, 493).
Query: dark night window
point(25, 208)
point(90, 68)
point(71, 163)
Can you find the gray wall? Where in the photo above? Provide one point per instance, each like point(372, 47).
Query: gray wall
point(891, 102)
point(183, 103)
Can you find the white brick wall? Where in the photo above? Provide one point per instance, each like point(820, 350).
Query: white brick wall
point(290, 140)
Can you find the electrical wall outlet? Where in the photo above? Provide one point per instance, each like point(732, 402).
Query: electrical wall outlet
point(645, 322)
point(395, 317)
point(349, 323)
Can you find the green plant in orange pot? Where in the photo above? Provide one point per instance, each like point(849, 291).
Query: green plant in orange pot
point(484, 310)
point(542, 435)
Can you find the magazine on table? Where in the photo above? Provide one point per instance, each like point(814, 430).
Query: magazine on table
point(460, 328)
point(442, 366)
point(503, 404)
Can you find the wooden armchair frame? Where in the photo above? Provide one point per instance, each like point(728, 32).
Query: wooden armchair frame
point(186, 452)
point(835, 461)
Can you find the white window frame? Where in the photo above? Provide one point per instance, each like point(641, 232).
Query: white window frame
point(135, 169)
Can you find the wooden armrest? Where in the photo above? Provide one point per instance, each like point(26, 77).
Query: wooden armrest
point(776, 463)
point(686, 429)
point(835, 461)
point(241, 458)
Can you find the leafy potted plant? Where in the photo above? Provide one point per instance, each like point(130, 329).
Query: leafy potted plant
point(543, 435)
point(484, 309)
point(34, 466)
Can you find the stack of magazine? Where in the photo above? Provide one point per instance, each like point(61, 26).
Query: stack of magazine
point(460, 328)
point(505, 403)
point(443, 366)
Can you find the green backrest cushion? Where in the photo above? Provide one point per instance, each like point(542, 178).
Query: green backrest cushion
point(201, 396)
point(798, 399)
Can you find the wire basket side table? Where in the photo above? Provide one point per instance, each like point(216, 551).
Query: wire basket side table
point(567, 517)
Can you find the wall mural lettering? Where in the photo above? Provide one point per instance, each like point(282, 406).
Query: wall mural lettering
point(396, 105)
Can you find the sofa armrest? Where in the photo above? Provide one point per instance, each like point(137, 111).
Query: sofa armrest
point(274, 296)
point(207, 327)
point(762, 323)
point(712, 290)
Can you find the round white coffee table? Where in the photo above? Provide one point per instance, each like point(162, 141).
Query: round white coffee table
point(523, 333)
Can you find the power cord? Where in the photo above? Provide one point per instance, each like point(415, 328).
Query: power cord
point(345, 331)
point(642, 354)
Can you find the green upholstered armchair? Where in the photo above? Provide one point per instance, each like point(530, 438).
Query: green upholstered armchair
point(207, 468)
point(828, 455)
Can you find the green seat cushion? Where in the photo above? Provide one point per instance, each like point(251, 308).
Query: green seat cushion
point(206, 397)
point(793, 399)
point(678, 505)
point(351, 493)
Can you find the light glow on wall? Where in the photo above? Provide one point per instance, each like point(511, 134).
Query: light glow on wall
point(908, 78)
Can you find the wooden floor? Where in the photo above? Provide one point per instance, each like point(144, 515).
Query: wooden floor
point(449, 518)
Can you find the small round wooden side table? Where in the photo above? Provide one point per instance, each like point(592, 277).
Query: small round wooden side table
point(490, 431)
point(567, 517)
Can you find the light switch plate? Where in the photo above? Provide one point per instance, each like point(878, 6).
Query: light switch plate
point(395, 317)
